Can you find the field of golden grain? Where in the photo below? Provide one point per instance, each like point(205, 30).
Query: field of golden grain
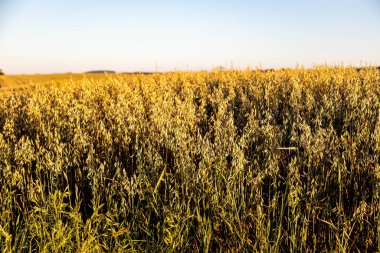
point(221, 161)
point(12, 83)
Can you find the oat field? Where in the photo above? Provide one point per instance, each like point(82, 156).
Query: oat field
point(221, 161)
point(15, 83)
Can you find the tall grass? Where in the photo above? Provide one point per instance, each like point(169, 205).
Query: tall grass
point(285, 160)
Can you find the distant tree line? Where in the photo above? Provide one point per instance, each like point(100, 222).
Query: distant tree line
point(1, 72)
point(100, 72)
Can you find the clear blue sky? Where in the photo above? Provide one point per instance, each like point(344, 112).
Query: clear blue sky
point(50, 36)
